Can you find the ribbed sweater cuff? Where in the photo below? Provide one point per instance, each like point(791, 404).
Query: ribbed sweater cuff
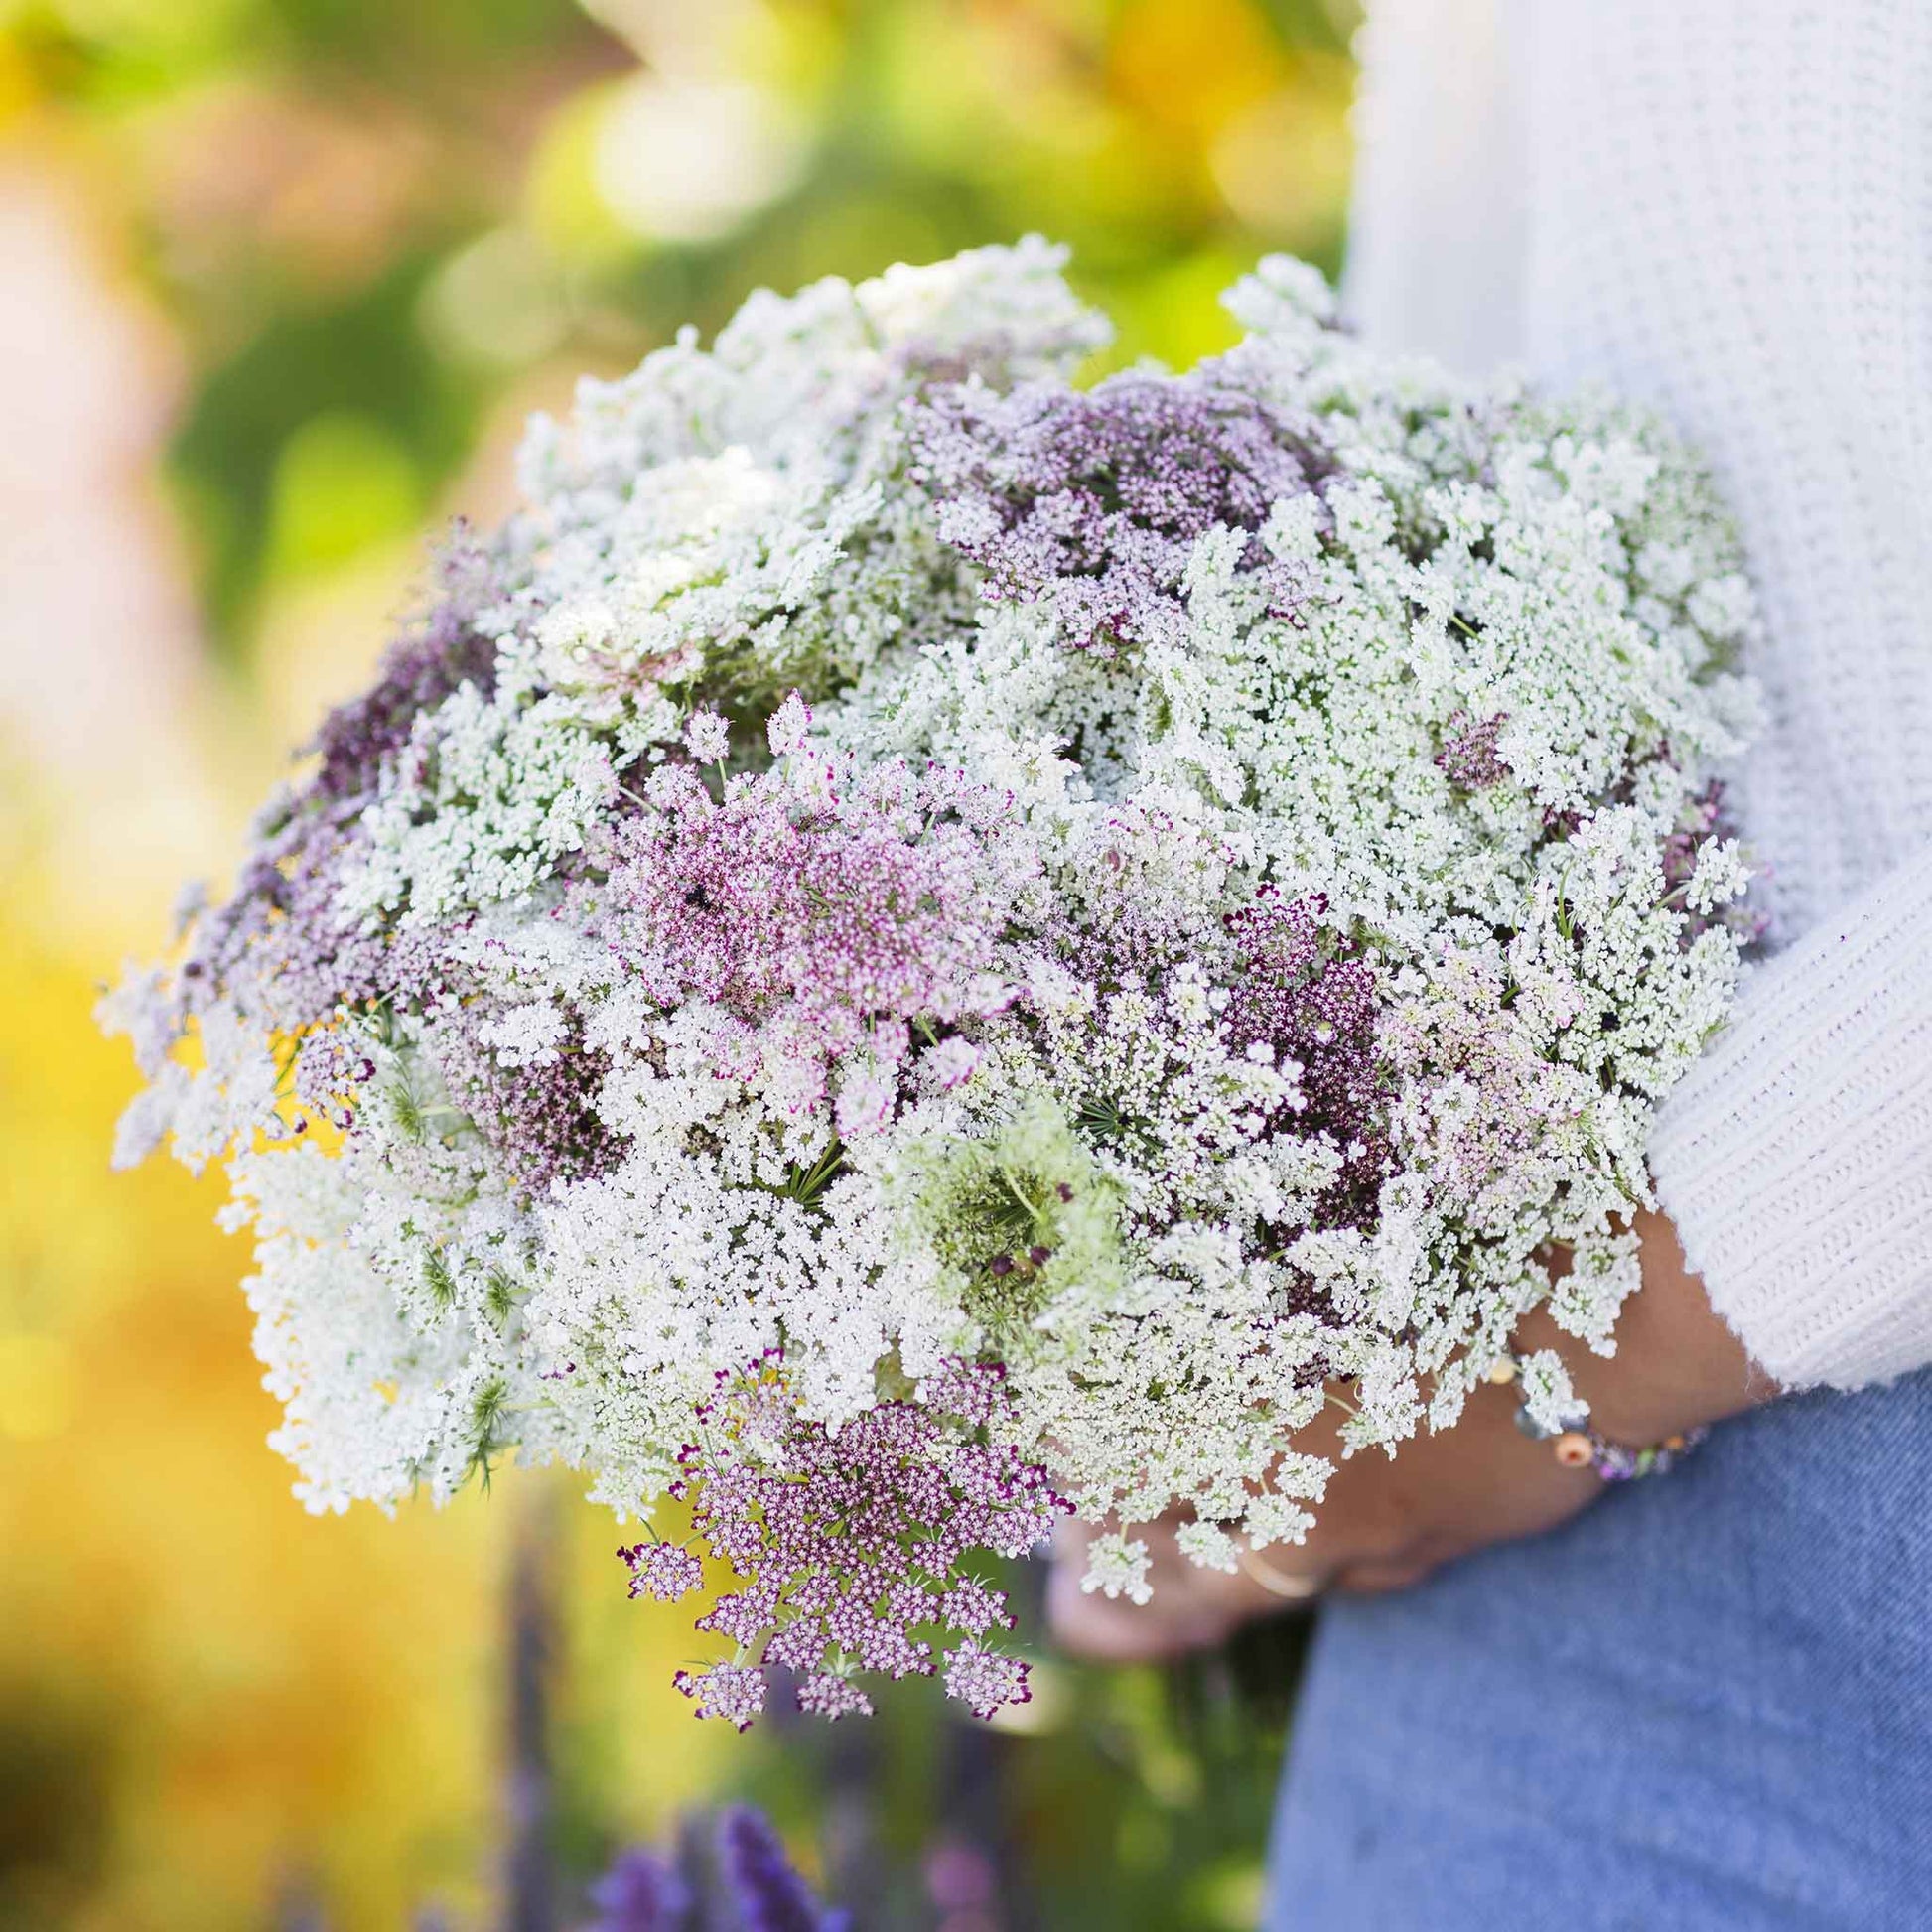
point(1796, 1159)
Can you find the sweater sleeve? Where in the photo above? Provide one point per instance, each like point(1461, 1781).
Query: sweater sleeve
point(1796, 1158)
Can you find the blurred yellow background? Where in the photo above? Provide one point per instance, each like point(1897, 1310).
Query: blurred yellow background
point(279, 280)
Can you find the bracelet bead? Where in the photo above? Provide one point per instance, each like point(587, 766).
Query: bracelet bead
point(1583, 1449)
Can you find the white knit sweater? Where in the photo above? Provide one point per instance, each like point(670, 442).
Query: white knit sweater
point(1725, 208)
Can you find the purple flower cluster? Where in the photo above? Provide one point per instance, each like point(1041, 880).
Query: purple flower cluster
point(418, 672)
point(1127, 934)
point(1310, 995)
point(640, 1892)
point(986, 1680)
point(330, 1069)
point(279, 949)
point(1093, 501)
point(734, 1877)
point(850, 1541)
point(820, 921)
point(540, 1123)
point(1469, 756)
point(734, 1692)
point(664, 1570)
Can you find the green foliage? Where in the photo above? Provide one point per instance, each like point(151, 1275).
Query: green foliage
point(805, 1183)
point(438, 1284)
point(326, 432)
point(1019, 1219)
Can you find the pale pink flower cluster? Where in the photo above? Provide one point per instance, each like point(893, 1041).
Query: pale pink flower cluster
point(819, 913)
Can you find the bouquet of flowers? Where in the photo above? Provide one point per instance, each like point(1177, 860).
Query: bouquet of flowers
point(914, 946)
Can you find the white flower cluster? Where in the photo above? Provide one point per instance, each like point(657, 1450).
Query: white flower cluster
point(1186, 889)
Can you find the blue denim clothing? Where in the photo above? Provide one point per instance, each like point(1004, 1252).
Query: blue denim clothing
point(1706, 1704)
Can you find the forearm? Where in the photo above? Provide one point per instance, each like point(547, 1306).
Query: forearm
point(1678, 1364)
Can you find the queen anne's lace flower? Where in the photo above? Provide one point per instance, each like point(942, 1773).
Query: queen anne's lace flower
point(708, 737)
point(1092, 502)
point(663, 1570)
point(985, 1680)
point(1117, 1567)
point(725, 1691)
point(912, 941)
point(1209, 1546)
point(848, 1540)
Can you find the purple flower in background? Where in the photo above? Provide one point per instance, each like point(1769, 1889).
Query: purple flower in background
point(735, 1877)
point(767, 1889)
point(640, 1892)
point(1093, 501)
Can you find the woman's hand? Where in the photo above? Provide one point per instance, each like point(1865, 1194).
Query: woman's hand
point(1386, 1524)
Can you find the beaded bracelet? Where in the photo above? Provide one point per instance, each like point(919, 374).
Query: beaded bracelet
point(1583, 1449)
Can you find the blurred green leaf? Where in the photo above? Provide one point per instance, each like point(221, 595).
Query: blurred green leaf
point(364, 367)
point(342, 483)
